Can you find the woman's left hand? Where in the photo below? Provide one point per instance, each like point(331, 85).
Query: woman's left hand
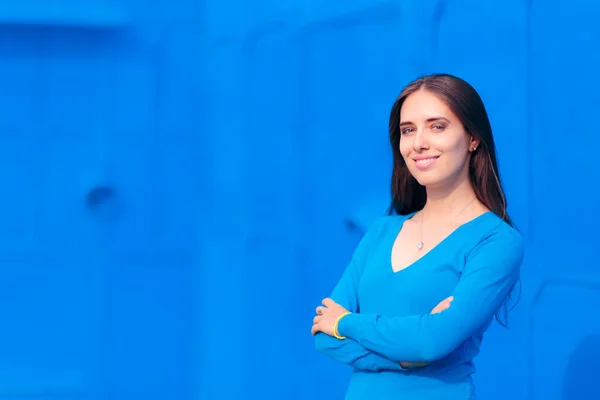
point(326, 316)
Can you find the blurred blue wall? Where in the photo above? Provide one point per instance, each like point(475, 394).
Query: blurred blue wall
point(183, 182)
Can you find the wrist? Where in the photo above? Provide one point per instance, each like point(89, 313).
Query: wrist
point(336, 324)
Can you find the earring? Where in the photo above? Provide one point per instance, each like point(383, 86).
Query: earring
point(474, 148)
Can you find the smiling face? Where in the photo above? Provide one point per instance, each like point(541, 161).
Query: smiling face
point(433, 141)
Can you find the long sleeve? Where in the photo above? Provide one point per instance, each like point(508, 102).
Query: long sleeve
point(492, 268)
point(348, 351)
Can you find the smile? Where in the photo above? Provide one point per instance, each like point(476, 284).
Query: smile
point(424, 163)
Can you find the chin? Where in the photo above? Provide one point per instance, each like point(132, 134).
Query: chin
point(427, 181)
point(428, 178)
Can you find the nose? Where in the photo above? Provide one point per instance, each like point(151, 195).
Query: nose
point(420, 143)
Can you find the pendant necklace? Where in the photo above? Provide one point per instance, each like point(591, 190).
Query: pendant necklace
point(420, 244)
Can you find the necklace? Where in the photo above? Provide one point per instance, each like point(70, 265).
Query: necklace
point(420, 244)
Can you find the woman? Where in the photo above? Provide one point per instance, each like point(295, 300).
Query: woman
point(448, 237)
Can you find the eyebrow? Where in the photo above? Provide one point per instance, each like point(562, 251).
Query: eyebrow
point(427, 120)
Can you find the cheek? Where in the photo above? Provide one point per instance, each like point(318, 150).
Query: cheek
point(455, 155)
point(452, 145)
point(405, 148)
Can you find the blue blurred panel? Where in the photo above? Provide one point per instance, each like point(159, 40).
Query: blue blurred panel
point(21, 197)
point(180, 158)
point(49, 328)
point(276, 346)
point(220, 274)
point(563, 105)
point(226, 138)
point(580, 374)
point(129, 118)
point(147, 327)
point(22, 178)
point(92, 175)
point(178, 194)
point(129, 160)
point(73, 93)
point(67, 223)
point(63, 13)
point(19, 73)
point(151, 159)
point(182, 13)
point(134, 82)
point(222, 322)
point(559, 365)
point(179, 86)
point(272, 144)
point(272, 168)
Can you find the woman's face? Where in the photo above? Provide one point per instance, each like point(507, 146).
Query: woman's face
point(433, 141)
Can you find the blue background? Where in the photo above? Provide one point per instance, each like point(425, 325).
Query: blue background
point(184, 181)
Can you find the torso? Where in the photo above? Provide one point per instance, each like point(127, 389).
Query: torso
point(425, 277)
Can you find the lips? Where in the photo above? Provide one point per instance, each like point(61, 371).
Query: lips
point(425, 161)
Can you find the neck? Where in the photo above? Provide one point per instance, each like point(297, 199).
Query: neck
point(446, 200)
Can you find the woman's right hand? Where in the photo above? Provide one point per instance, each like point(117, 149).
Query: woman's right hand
point(442, 305)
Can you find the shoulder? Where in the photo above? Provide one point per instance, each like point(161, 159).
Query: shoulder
point(497, 240)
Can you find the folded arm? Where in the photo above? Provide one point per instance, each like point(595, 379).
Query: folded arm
point(350, 352)
point(491, 271)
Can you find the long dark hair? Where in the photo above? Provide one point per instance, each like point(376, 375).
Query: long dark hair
point(463, 100)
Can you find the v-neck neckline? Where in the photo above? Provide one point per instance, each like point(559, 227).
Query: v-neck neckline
point(435, 248)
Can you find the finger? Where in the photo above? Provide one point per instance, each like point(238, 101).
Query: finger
point(443, 305)
point(437, 309)
point(315, 328)
point(327, 302)
point(317, 319)
point(446, 301)
point(319, 310)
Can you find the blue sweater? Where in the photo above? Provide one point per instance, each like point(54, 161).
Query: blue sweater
point(478, 264)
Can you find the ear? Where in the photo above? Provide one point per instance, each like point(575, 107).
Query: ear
point(474, 144)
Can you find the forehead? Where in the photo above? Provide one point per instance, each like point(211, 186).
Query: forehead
point(422, 105)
